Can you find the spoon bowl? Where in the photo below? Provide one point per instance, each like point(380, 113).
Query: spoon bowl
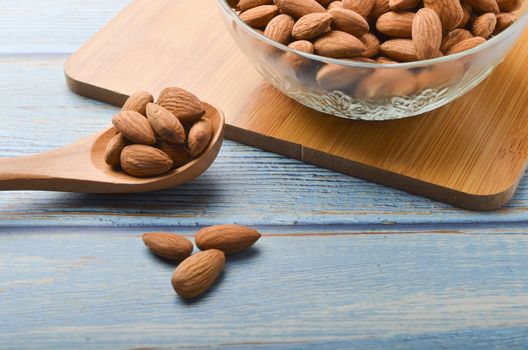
point(80, 167)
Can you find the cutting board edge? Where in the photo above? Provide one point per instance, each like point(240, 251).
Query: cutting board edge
point(345, 166)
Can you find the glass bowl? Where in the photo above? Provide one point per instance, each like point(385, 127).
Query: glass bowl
point(369, 91)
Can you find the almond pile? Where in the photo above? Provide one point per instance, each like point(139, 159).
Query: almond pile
point(153, 138)
point(378, 31)
point(197, 273)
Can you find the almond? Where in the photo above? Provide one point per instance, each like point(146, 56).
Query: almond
point(363, 7)
point(380, 7)
point(337, 77)
point(114, 148)
point(138, 102)
point(166, 125)
point(387, 83)
point(372, 45)
point(349, 21)
point(467, 16)
point(177, 153)
point(466, 45)
point(324, 2)
point(335, 4)
point(396, 24)
point(197, 273)
point(299, 8)
point(454, 37)
point(509, 5)
point(168, 246)
point(440, 75)
point(385, 60)
point(482, 6)
point(184, 105)
point(484, 25)
point(260, 16)
point(134, 127)
point(338, 44)
point(244, 5)
point(311, 25)
point(449, 11)
point(504, 20)
point(143, 161)
point(280, 28)
point(199, 137)
point(399, 49)
point(295, 61)
point(399, 5)
point(227, 238)
point(427, 34)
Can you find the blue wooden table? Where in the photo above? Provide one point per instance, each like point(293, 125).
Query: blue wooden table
point(342, 263)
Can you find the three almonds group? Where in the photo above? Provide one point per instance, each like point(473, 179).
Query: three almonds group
point(153, 138)
point(379, 31)
point(197, 273)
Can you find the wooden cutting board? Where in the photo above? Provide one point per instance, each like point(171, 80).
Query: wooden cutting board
point(470, 153)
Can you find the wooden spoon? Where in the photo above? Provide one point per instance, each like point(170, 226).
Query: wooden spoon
point(80, 167)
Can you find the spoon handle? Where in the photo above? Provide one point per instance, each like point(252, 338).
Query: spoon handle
point(26, 173)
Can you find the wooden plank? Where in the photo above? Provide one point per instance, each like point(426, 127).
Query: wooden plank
point(83, 288)
point(245, 185)
point(470, 153)
point(54, 26)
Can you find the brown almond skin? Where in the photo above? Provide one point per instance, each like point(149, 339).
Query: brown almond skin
point(166, 125)
point(337, 77)
point(467, 16)
point(509, 5)
point(363, 7)
point(484, 25)
point(386, 83)
point(178, 153)
point(400, 5)
point(372, 45)
point(380, 7)
point(449, 11)
point(454, 37)
point(299, 8)
point(227, 238)
point(427, 34)
point(134, 127)
point(144, 161)
point(259, 17)
point(184, 105)
point(349, 21)
point(197, 273)
point(504, 20)
point(114, 148)
point(402, 50)
point(338, 44)
point(396, 24)
point(244, 5)
point(483, 6)
point(335, 4)
point(138, 102)
point(168, 245)
point(385, 60)
point(295, 61)
point(199, 137)
point(311, 25)
point(280, 28)
point(466, 45)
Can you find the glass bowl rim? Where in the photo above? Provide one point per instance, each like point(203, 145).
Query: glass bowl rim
point(353, 64)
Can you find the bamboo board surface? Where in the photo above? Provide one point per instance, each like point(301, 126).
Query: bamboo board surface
point(471, 153)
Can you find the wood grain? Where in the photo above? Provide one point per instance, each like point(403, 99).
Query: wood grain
point(105, 290)
point(433, 155)
point(265, 189)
